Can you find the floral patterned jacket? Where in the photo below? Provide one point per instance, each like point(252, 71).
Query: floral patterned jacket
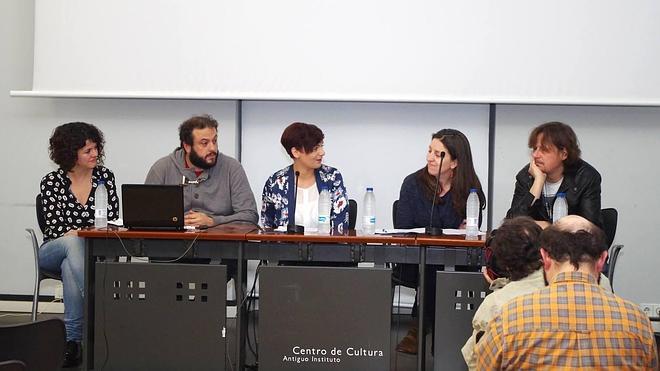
point(278, 201)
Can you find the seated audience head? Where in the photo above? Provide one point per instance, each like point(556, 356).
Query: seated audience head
point(304, 143)
point(76, 145)
point(572, 244)
point(515, 248)
point(457, 168)
point(554, 146)
point(199, 140)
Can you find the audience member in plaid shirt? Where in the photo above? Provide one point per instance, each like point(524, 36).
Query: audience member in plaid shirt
point(572, 323)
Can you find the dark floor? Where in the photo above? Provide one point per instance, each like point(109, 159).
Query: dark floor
point(400, 325)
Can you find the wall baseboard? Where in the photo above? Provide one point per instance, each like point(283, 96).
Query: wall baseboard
point(58, 308)
point(26, 306)
point(42, 298)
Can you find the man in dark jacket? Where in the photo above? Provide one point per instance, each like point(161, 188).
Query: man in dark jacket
point(556, 167)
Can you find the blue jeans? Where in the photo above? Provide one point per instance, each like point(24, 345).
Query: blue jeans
point(67, 256)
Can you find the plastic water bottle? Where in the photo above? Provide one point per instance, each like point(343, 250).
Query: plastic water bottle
point(324, 211)
point(560, 208)
point(369, 216)
point(472, 214)
point(101, 206)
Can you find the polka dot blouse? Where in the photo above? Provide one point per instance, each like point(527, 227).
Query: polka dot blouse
point(61, 209)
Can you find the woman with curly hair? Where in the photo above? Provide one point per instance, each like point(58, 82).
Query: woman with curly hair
point(67, 202)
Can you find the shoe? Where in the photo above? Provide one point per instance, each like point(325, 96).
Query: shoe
point(409, 342)
point(72, 354)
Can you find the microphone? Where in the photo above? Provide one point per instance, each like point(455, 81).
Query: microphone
point(431, 230)
point(291, 228)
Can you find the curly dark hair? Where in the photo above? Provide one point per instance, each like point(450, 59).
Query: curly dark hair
point(301, 136)
point(195, 122)
point(67, 139)
point(582, 246)
point(516, 247)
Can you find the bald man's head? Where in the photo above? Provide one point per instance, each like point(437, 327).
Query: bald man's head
point(575, 239)
point(574, 223)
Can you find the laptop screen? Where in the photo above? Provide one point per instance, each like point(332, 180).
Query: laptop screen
point(149, 206)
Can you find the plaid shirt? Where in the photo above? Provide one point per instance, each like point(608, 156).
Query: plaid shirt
point(570, 324)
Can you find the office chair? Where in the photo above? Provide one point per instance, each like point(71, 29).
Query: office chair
point(395, 206)
point(13, 365)
point(40, 274)
point(352, 214)
point(402, 274)
point(610, 219)
point(38, 345)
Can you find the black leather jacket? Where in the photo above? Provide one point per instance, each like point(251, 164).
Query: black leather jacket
point(582, 187)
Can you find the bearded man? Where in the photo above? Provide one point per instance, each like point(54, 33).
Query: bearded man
point(216, 189)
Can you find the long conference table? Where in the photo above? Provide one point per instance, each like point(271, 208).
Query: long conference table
point(244, 242)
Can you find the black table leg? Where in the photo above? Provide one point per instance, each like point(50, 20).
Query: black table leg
point(88, 307)
point(241, 308)
point(421, 333)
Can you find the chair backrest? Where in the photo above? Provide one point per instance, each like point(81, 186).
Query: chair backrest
point(40, 214)
point(458, 296)
point(395, 205)
point(12, 365)
point(610, 218)
point(40, 344)
point(352, 213)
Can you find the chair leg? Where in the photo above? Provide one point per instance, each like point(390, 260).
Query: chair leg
point(35, 299)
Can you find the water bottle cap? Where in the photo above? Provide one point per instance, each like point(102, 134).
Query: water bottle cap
point(370, 189)
point(473, 190)
point(101, 182)
point(561, 194)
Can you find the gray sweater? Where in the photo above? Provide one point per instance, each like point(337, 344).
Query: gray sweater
point(223, 193)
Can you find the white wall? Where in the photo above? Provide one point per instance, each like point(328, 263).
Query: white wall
point(372, 144)
point(137, 132)
point(622, 143)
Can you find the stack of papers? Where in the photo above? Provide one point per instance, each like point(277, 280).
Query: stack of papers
point(447, 231)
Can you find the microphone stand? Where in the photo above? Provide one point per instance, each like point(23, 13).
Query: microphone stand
point(293, 228)
point(431, 230)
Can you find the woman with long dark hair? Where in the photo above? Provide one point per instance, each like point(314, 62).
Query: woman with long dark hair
point(457, 177)
point(453, 183)
point(67, 203)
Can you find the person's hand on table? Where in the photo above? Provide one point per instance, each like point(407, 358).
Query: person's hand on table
point(197, 219)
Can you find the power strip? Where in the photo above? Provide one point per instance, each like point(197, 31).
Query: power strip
point(650, 309)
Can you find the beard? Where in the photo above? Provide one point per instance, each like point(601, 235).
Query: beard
point(200, 162)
